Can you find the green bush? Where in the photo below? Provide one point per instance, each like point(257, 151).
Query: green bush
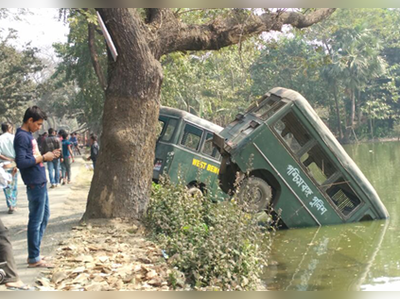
point(216, 245)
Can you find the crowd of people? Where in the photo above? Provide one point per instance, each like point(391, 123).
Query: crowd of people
point(22, 152)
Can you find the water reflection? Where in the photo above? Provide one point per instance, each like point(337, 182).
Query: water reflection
point(360, 256)
point(325, 258)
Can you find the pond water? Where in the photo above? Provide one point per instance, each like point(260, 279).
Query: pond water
point(359, 256)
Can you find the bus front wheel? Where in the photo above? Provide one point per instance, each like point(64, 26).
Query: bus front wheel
point(255, 194)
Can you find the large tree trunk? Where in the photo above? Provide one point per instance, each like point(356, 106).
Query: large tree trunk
point(122, 178)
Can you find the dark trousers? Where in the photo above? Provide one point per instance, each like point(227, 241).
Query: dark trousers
point(6, 255)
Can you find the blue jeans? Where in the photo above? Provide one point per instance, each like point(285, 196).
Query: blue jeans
point(54, 171)
point(39, 213)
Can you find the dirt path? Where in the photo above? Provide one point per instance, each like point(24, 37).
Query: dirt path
point(67, 205)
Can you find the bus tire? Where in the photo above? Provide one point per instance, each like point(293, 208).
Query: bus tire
point(255, 194)
point(194, 191)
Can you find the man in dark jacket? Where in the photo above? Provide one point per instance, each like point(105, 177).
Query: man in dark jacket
point(94, 150)
point(50, 144)
point(30, 163)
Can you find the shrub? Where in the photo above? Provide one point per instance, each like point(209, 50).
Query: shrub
point(215, 245)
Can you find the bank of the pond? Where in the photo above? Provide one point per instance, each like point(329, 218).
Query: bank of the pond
point(114, 255)
point(106, 255)
point(109, 255)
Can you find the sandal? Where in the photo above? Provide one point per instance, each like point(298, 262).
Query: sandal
point(42, 258)
point(41, 264)
point(20, 288)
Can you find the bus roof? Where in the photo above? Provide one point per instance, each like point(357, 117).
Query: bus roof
point(330, 140)
point(191, 118)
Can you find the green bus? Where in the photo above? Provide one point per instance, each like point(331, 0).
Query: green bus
point(184, 150)
point(282, 151)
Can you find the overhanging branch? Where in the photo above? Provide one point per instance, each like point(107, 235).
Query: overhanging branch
point(221, 32)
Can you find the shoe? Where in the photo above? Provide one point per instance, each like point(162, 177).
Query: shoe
point(52, 186)
point(63, 183)
point(11, 211)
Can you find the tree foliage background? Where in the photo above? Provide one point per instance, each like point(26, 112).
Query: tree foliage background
point(346, 66)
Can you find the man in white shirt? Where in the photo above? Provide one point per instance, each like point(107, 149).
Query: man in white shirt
point(7, 157)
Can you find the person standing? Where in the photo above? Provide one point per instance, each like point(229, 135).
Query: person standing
point(94, 150)
point(30, 162)
point(7, 157)
point(74, 142)
point(68, 158)
point(40, 140)
point(7, 262)
point(50, 144)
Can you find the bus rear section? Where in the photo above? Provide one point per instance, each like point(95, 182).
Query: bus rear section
point(280, 143)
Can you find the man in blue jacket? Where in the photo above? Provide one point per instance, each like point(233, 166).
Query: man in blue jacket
point(30, 163)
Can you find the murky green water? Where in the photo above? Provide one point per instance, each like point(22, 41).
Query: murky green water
point(360, 256)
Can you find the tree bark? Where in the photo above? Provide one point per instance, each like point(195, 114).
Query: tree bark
point(123, 173)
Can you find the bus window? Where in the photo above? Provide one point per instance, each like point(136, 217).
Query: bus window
point(318, 165)
point(343, 196)
point(191, 137)
point(160, 127)
point(292, 131)
point(169, 131)
point(266, 105)
point(272, 111)
point(208, 147)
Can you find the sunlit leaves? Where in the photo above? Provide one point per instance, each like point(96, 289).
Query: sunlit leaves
point(17, 86)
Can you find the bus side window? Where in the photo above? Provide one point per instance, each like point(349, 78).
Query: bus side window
point(292, 132)
point(191, 137)
point(318, 165)
point(343, 196)
point(169, 131)
point(160, 127)
point(208, 147)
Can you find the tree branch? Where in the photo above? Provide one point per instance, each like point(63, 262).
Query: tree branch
point(94, 56)
point(155, 16)
point(83, 127)
point(300, 20)
point(222, 32)
point(187, 11)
